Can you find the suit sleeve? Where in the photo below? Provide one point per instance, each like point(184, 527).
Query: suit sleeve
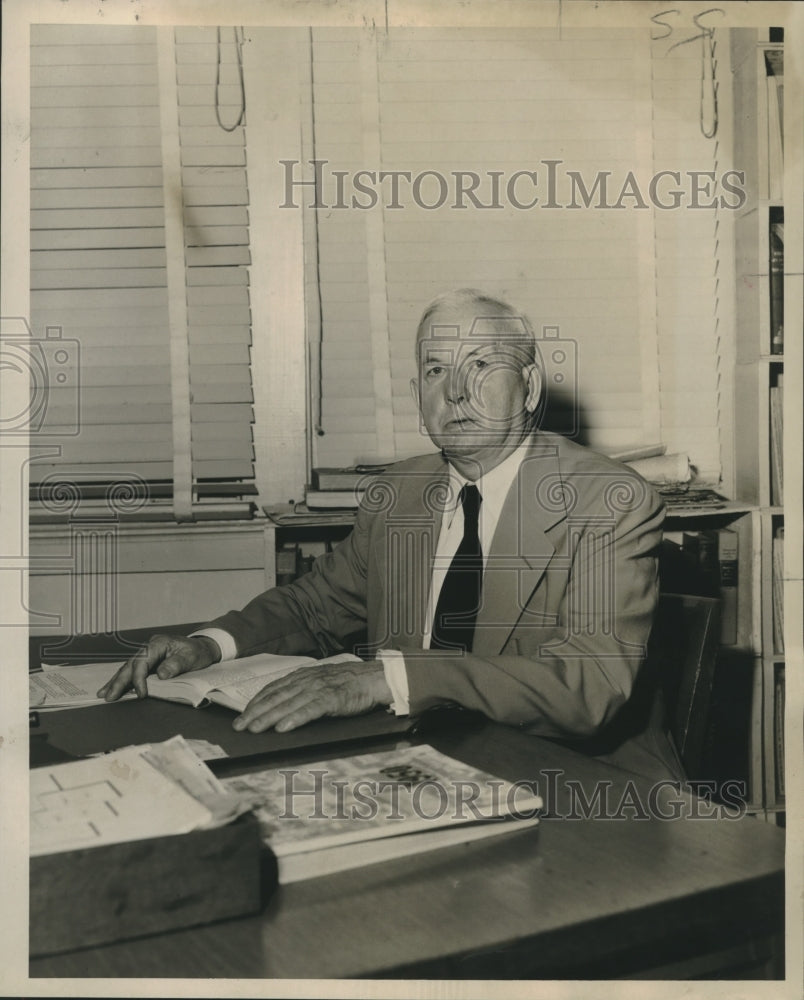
point(566, 680)
point(311, 615)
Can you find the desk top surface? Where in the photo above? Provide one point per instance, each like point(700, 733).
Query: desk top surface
point(596, 877)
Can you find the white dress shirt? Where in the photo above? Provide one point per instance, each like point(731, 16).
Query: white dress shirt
point(494, 487)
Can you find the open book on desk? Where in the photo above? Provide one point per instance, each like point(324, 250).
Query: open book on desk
point(231, 684)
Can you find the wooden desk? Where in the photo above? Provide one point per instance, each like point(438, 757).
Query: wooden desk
point(576, 898)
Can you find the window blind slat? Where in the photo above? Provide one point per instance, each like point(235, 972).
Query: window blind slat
point(120, 413)
point(95, 218)
point(88, 55)
point(204, 276)
point(213, 216)
point(105, 471)
point(79, 239)
point(116, 260)
point(95, 177)
point(81, 198)
point(217, 295)
point(114, 117)
point(218, 256)
point(94, 156)
point(100, 76)
point(98, 278)
point(92, 97)
point(215, 195)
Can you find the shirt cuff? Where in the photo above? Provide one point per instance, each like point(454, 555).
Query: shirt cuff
point(396, 677)
point(226, 642)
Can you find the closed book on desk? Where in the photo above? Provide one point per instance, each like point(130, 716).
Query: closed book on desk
point(346, 813)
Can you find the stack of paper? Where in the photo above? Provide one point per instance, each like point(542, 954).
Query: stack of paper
point(136, 793)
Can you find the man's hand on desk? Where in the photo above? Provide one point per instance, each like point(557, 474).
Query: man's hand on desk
point(350, 688)
point(169, 655)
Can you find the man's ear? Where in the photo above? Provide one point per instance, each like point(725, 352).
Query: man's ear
point(414, 391)
point(535, 384)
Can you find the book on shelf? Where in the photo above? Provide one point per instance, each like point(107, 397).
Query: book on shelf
point(325, 478)
point(774, 82)
point(777, 592)
point(778, 729)
point(287, 564)
point(333, 499)
point(700, 549)
point(728, 554)
point(334, 815)
point(776, 289)
point(711, 569)
point(231, 684)
point(777, 441)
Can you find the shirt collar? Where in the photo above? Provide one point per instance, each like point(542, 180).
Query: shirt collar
point(493, 485)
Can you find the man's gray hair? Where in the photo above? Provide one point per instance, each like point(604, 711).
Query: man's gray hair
point(493, 319)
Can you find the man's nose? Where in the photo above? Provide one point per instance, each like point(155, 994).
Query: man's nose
point(457, 389)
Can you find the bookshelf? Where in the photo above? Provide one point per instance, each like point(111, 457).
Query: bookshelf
point(765, 290)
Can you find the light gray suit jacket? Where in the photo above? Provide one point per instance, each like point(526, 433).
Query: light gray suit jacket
point(569, 593)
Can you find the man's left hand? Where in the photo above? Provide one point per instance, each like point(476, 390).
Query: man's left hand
point(349, 688)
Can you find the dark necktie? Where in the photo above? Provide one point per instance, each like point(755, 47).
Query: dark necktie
point(459, 600)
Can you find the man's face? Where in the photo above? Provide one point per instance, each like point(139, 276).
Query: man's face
point(476, 387)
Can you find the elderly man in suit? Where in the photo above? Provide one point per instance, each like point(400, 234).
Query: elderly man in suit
point(513, 572)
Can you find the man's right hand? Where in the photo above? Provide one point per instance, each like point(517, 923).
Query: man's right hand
point(168, 655)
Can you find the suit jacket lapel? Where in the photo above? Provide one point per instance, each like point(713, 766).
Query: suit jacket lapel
point(521, 549)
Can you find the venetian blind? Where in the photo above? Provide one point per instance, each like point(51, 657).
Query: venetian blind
point(104, 194)
point(484, 101)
